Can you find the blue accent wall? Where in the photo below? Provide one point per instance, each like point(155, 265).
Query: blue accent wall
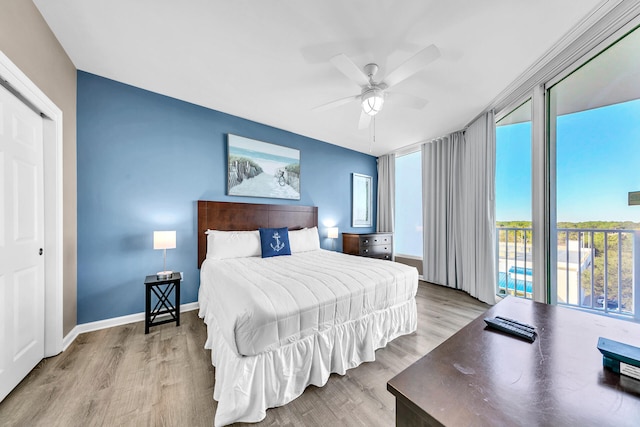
point(144, 160)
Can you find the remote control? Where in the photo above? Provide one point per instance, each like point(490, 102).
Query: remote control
point(517, 324)
point(512, 327)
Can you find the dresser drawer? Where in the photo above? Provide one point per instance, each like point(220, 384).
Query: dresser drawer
point(373, 239)
point(376, 251)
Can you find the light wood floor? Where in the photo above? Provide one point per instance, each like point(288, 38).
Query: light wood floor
point(120, 376)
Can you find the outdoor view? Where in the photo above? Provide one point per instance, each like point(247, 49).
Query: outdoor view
point(408, 227)
point(594, 128)
point(513, 202)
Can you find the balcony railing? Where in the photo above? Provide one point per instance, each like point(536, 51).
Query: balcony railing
point(514, 262)
point(595, 268)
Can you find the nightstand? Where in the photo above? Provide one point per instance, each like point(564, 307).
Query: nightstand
point(371, 245)
point(167, 310)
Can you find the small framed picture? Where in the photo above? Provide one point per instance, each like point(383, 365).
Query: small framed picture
point(361, 201)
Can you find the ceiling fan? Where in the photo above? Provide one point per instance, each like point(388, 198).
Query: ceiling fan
point(373, 93)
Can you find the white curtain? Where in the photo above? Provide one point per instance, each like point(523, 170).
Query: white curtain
point(478, 215)
point(386, 192)
point(459, 210)
point(439, 199)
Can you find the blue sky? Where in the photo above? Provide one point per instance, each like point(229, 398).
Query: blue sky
point(598, 163)
point(513, 172)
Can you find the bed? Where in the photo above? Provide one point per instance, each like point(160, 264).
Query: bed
point(276, 325)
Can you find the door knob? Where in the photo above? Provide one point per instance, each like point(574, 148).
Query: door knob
point(40, 251)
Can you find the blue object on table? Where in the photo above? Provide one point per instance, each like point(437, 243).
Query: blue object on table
point(619, 357)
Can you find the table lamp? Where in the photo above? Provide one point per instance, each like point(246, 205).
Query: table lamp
point(332, 233)
point(164, 240)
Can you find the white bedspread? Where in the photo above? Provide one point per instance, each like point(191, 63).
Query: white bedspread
point(278, 325)
point(261, 304)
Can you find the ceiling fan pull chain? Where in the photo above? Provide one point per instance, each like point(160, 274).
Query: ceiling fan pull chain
point(373, 140)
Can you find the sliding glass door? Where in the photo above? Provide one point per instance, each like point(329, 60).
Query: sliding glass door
point(513, 203)
point(594, 153)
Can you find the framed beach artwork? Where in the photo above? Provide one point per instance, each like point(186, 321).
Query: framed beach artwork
point(261, 169)
point(361, 201)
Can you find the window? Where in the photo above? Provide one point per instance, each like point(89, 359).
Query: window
point(408, 209)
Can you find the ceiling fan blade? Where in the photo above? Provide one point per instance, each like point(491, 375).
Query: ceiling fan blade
point(406, 100)
point(365, 119)
point(412, 65)
point(336, 103)
point(349, 69)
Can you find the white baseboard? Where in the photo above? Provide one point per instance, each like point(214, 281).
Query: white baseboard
point(115, 321)
point(417, 258)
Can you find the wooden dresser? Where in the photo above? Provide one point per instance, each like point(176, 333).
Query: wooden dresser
point(372, 245)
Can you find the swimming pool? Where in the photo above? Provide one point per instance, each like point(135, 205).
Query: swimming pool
point(515, 283)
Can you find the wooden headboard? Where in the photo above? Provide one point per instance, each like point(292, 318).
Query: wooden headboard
point(229, 216)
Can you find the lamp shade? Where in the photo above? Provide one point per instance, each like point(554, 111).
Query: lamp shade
point(372, 101)
point(332, 232)
point(164, 240)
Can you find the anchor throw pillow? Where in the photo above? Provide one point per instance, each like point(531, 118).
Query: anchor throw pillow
point(274, 242)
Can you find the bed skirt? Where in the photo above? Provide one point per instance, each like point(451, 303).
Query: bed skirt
point(245, 387)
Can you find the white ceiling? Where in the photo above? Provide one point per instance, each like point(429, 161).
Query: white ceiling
point(268, 60)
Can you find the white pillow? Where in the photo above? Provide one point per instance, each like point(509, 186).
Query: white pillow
point(233, 244)
point(304, 240)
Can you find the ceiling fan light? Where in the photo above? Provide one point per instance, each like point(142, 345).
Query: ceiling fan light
point(372, 101)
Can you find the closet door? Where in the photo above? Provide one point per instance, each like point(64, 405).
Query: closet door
point(21, 241)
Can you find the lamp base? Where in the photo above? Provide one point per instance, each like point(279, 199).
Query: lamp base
point(164, 274)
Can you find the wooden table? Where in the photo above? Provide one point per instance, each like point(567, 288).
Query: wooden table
point(164, 311)
point(483, 377)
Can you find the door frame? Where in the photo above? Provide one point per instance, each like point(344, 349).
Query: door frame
point(53, 202)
